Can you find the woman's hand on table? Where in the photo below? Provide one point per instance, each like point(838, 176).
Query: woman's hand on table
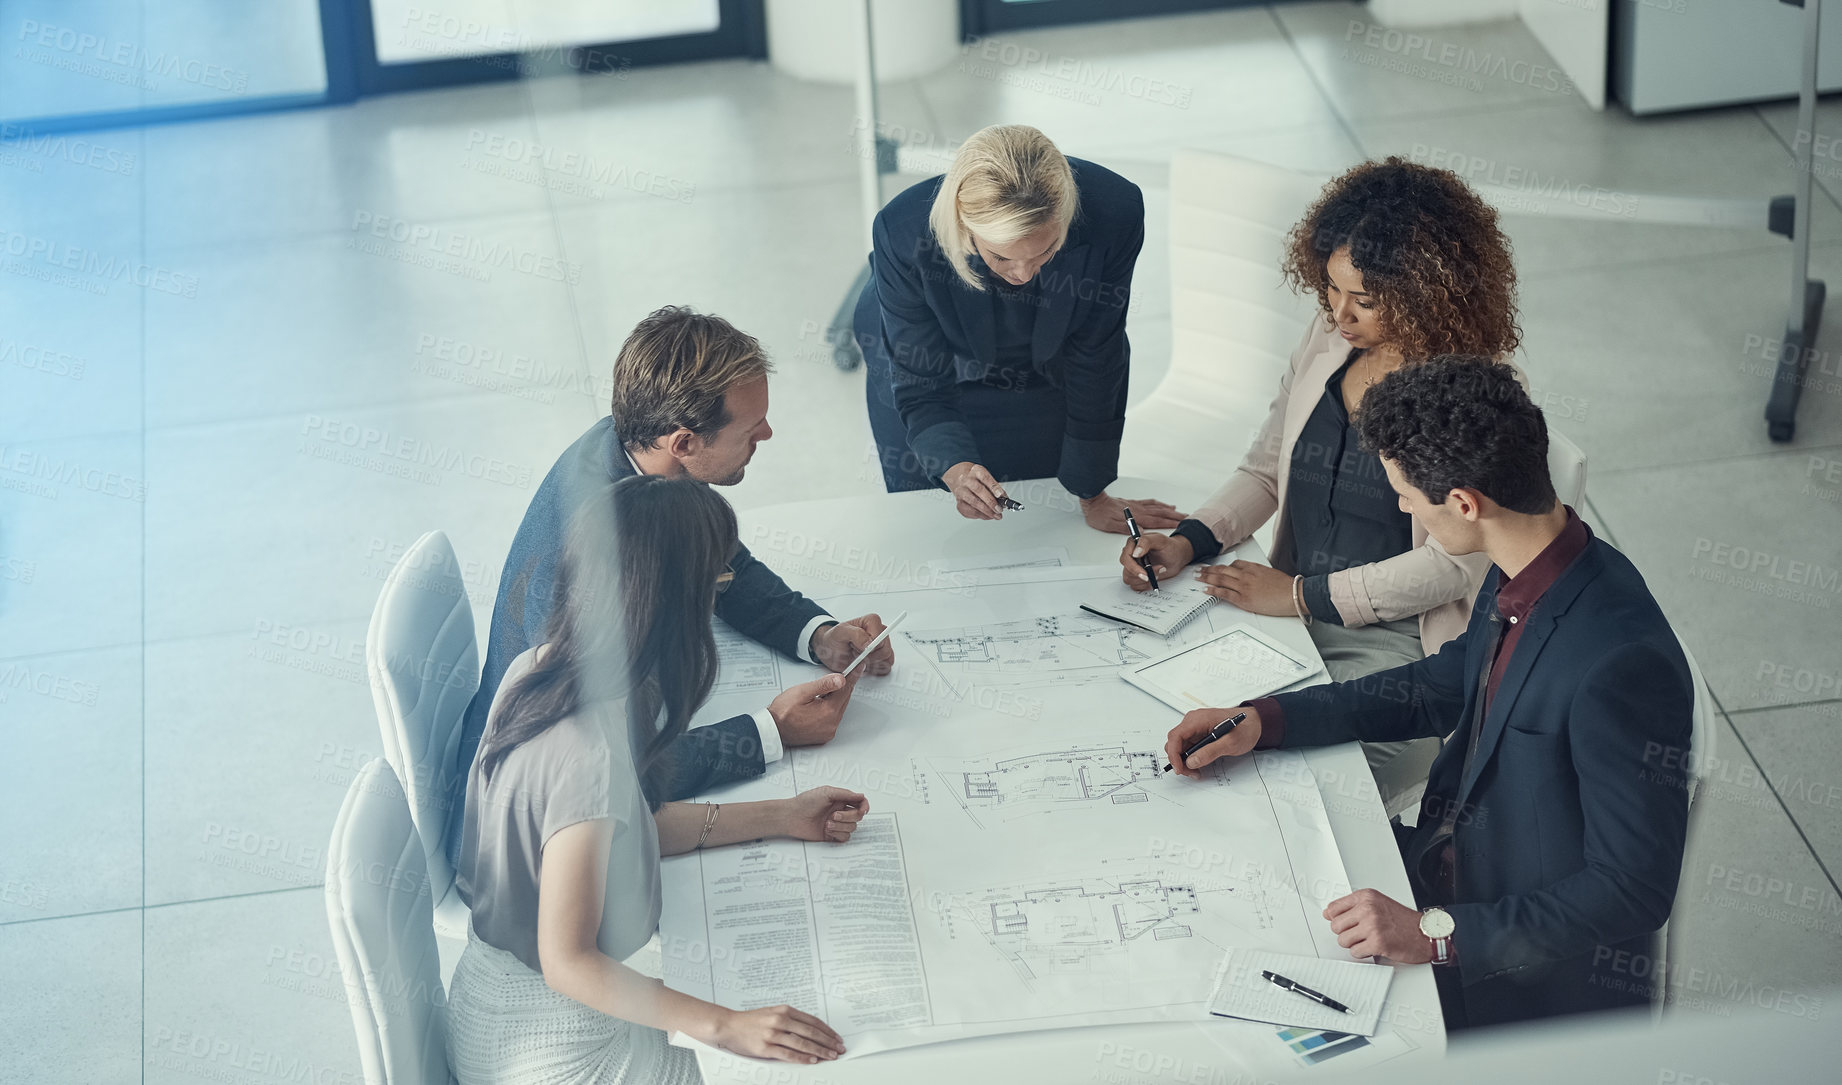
point(825, 813)
point(1255, 588)
point(775, 1032)
point(1108, 514)
point(1196, 724)
point(975, 491)
point(1168, 554)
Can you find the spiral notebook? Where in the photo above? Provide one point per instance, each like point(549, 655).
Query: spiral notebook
point(1162, 612)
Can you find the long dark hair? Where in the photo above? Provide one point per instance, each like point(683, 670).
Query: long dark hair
point(634, 594)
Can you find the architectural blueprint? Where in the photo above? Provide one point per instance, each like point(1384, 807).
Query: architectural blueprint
point(1014, 871)
point(1044, 780)
point(1049, 650)
point(1112, 936)
point(1041, 557)
point(1006, 785)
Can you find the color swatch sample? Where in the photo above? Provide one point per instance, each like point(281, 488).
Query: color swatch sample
point(1313, 1046)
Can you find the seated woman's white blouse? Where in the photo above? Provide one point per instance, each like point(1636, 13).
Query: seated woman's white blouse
point(580, 769)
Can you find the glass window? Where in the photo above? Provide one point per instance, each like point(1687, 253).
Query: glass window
point(413, 30)
point(72, 58)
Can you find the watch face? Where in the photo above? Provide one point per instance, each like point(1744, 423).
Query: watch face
point(1436, 923)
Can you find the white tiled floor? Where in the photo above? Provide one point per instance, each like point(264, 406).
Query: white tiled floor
point(175, 486)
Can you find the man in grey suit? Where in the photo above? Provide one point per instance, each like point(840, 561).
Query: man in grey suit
point(690, 398)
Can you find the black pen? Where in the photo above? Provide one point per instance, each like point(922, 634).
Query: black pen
point(1132, 526)
point(1218, 731)
point(1298, 988)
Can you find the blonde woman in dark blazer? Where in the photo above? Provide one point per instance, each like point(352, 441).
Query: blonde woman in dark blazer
point(993, 328)
point(1407, 263)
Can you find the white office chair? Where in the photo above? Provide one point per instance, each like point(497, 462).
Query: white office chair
point(379, 907)
point(1702, 730)
point(1703, 726)
point(1566, 469)
point(424, 668)
point(1234, 322)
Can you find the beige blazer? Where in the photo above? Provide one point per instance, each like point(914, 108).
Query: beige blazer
point(1427, 581)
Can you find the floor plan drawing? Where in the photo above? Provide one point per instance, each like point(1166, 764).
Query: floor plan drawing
point(1051, 650)
point(1083, 929)
point(1038, 782)
point(1122, 922)
point(1074, 925)
point(960, 907)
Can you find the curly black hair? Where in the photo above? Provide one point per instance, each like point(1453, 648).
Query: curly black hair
point(1429, 251)
point(1458, 422)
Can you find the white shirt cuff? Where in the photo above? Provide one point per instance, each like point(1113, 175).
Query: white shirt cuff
point(805, 638)
point(771, 747)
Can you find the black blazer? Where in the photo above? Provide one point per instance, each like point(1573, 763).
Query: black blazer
point(1570, 823)
point(758, 604)
point(915, 317)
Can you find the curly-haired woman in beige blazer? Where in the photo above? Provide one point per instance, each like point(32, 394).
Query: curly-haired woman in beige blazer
point(1407, 263)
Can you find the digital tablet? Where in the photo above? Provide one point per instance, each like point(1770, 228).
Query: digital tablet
point(1236, 665)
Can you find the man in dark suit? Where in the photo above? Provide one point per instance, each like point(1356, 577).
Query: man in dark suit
point(690, 398)
point(1550, 841)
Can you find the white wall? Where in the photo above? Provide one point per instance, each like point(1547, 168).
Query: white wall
point(1408, 13)
point(1578, 37)
point(817, 39)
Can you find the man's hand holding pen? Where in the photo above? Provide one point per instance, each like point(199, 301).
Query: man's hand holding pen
point(1195, 724)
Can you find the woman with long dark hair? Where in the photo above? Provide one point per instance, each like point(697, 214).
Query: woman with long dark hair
point(559, 846)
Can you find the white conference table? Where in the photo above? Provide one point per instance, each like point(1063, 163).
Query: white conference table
point(840, 546)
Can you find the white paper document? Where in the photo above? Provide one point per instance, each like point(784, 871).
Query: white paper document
point(1041, 557)
point(830, 929)
point(1241, 991)
point(1025, 862)
point(745, 665)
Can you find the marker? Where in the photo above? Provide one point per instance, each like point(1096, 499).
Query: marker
point(1005, 502)
point(1144, 563)
point(1298, 988)
point(1218, 731)
point(871, 647)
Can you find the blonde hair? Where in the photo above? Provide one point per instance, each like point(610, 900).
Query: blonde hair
point(1006, 182)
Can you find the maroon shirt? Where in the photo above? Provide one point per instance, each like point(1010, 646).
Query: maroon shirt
point(1516, 597)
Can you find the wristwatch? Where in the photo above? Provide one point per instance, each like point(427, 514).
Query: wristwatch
point(1437, 925)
